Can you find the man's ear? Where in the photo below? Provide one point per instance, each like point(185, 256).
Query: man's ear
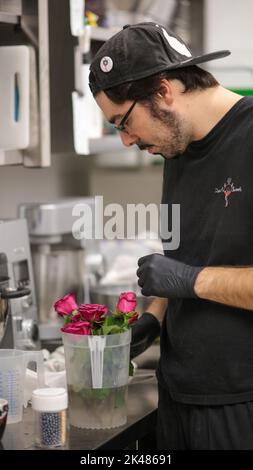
point(165, 91)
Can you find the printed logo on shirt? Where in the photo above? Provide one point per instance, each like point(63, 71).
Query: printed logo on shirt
point(227, 189)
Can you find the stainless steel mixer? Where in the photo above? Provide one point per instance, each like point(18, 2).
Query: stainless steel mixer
point(62, 263)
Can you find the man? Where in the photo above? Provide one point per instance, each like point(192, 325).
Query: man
point(148, 85)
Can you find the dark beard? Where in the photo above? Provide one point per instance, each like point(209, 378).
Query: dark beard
point(179, 140)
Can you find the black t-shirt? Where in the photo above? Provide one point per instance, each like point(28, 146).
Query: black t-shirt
point(207, 347)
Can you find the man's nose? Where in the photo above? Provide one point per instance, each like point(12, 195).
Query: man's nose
point(128, 139)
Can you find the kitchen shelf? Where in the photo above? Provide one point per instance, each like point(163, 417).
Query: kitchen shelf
point(62, 71)
point(10, 11)
point(9, 18)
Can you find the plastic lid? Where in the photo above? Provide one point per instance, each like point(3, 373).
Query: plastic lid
point(49, 399)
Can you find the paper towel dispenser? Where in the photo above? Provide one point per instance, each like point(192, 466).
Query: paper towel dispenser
point(24, 83)
point(14, 97)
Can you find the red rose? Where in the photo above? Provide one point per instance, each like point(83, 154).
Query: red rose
point(66, 305)
point(127, 302)
point(78, 328)
point(93, 312)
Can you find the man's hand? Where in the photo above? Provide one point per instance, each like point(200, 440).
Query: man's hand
point(164, 277)
point(147, 328)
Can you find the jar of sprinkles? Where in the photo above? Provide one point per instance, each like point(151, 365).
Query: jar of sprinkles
point(50, 409)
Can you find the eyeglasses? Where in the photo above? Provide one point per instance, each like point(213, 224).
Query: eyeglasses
point(121, 126)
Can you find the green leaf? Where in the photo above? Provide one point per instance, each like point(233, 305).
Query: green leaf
point(131, 369)
point(67, 319)
point(111, 329)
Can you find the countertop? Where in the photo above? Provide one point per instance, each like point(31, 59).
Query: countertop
point(140, 426)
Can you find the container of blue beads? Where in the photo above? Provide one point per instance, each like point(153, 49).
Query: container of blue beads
point(50, 416)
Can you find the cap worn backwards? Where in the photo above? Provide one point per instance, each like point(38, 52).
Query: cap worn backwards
point(139, 51)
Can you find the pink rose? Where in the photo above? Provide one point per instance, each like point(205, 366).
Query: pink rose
point(127, 302)
point(77, 317)
point(78, 328)
point(66, 305)
point(93, 312)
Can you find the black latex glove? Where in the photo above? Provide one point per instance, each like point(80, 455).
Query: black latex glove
point(161, 276)
point(144, 332)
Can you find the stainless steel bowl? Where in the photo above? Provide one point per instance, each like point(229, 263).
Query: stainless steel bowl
point(109, 294)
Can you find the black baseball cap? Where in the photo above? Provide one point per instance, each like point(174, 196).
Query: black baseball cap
point(139, 51)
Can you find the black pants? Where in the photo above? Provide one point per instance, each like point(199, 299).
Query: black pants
point(197, 427)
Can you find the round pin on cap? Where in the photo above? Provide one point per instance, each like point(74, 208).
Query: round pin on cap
point(106, 64)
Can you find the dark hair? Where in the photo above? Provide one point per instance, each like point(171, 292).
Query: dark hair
point(192, 77)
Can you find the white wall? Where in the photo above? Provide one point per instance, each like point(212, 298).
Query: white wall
point(68, 176)
point(228, 25)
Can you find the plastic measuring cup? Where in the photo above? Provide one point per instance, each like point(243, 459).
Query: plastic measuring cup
point(13, 364)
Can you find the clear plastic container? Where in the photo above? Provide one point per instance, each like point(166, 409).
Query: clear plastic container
point(97, 369)
point(50, 413)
